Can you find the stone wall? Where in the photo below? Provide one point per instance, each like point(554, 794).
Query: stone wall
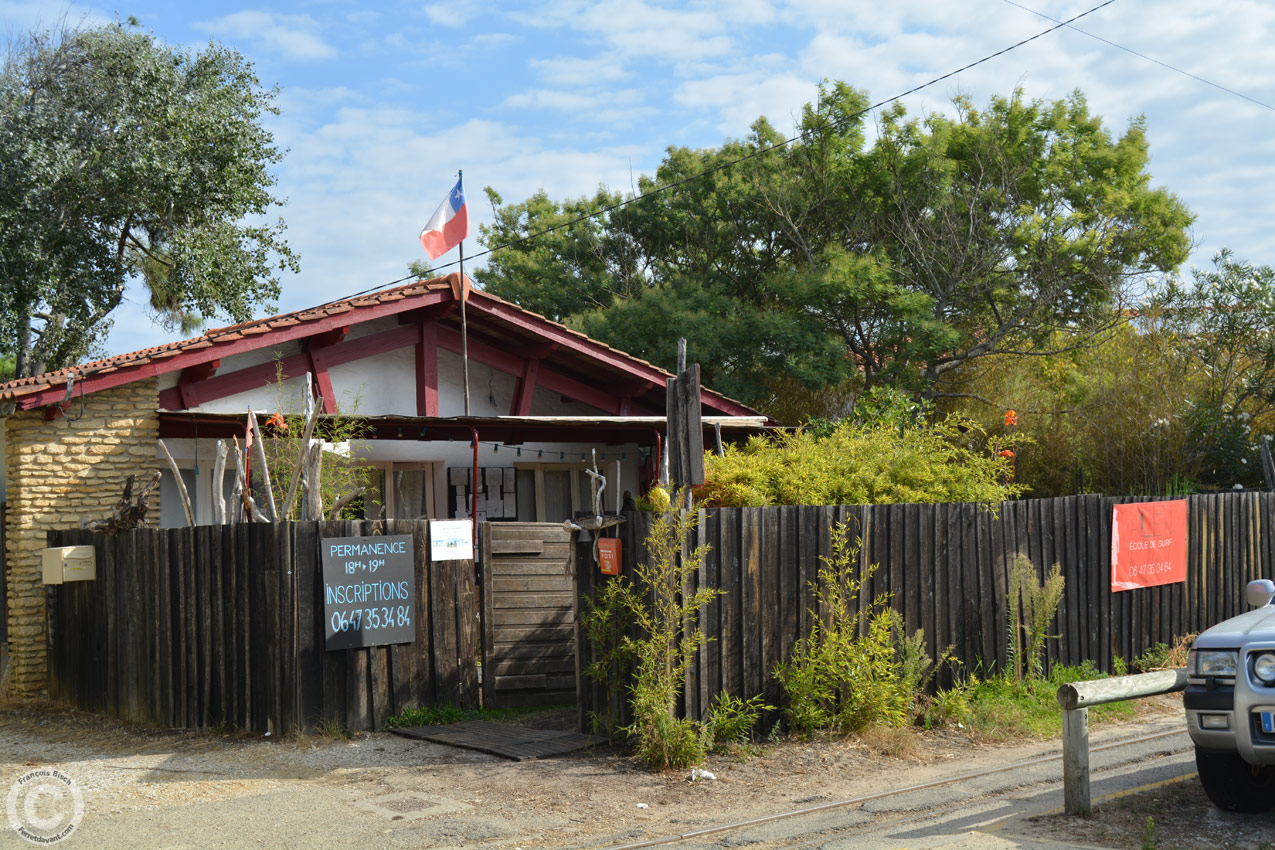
point(59, 473)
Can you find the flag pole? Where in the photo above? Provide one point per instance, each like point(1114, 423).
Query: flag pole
point(464, 325)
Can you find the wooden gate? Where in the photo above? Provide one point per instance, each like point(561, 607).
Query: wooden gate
point(529, 610)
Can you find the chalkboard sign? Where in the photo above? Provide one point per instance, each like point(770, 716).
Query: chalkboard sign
point(368, 591)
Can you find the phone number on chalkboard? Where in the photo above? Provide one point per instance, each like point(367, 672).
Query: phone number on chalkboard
point(371, 618)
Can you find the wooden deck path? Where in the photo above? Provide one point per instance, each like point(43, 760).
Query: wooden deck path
point(502, 739)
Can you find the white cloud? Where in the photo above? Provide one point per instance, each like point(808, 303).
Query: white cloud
point(19, 17)
point(573, 71)
point(593, 100)
point(292, 36)
point(452, 15)
point(637, 28)
point(739, 98)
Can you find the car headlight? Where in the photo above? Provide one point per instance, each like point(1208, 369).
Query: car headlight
point(1264, 668)
point(1214, 662)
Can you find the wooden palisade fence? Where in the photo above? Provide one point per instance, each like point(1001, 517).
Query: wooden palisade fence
point(947, 567)
point(221, 625)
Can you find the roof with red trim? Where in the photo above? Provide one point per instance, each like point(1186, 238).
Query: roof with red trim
point(500, 322)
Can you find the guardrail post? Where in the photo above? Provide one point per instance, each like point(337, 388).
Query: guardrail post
point(1075, 698)
point(1076, 761)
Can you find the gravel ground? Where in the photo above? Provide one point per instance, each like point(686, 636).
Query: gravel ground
point(145, 787)
point(1181, 818)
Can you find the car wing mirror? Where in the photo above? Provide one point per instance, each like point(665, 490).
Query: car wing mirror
point(1260, 592)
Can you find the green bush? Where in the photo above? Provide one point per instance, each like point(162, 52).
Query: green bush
point(860, 465)
point(731, 720)
point(666, 617)
point(1032, 607)
point(1155, 657)
point(606, 620)
point(838, 679)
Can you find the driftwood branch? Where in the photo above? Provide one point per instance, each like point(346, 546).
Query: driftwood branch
point(218, 491)
point(265, 475)
point(247, 504)
point(313, 479)
point(127, 514)
point(312, 417)
point(340, 503)
point(181, 485)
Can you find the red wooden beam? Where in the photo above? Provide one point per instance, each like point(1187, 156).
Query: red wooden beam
point(370, 346)
point(427, 369)
point(449, 340)
point(553, 332)
point(323, 358)
point(319, 366)
point(539, 352)
point(326, 339)
point(191, 376)
point(526, 388)
point(230, 383)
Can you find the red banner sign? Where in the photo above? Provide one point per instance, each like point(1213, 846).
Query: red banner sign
point(1148, 544)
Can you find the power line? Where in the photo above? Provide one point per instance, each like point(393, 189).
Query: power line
point(1148, 58)
point(753, 155)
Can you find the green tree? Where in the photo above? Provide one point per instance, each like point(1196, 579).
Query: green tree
point(1225, 319)
point(1112, 417)
point(989, 233)
point(831, 264)
point(125, 159)
point(1173, 399)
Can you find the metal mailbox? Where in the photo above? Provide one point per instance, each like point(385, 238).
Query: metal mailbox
point(69, 563)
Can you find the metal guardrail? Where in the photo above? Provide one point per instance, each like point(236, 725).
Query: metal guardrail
point(1075, 698)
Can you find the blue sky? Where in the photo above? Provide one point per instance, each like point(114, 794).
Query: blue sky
point(383, 102)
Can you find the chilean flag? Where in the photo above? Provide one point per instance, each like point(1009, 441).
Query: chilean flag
point(448, 225)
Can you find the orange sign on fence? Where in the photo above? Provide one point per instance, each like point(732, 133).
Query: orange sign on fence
point(1148, 544)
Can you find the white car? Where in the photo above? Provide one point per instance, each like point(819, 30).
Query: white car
point(1230, 705)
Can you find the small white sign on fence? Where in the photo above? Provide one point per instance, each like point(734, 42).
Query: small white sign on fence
point(451, 540)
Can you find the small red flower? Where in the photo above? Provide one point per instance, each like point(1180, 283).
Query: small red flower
point(1011, 419)
point(1005, 453)
point(277, 422)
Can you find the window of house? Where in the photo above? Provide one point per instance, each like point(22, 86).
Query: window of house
point(413, 491)
point(553, 492)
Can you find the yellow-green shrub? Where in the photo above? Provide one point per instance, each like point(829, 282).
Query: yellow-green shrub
point(860, 465)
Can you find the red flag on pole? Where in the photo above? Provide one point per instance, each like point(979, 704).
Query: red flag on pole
point(449, 224)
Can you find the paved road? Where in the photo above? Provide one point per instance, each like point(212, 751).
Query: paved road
point(989, 812)
point(408, 808)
